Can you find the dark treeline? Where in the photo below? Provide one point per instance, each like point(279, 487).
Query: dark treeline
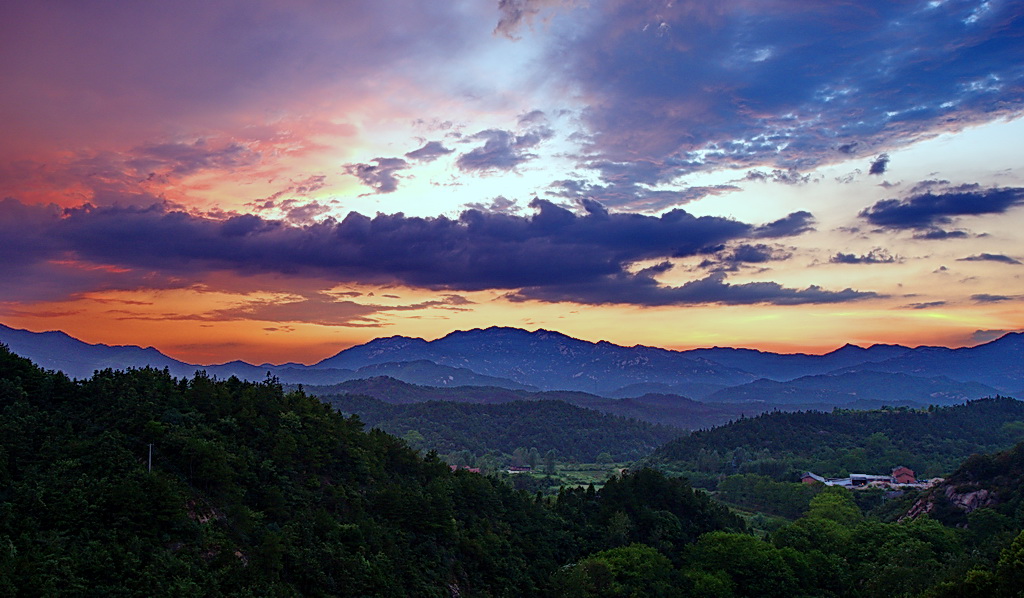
point(778, 445)
point(574, 433)
point(258, 492)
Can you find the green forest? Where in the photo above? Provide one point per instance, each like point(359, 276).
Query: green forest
point(782, 445)
point(136, 483)
point(573, 433)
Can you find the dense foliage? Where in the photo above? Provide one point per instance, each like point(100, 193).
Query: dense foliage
point(780, 445)
point(258, 492)
point(572, 432)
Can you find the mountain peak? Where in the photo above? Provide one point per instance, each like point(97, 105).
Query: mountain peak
point(847, 348)
point(505, 331)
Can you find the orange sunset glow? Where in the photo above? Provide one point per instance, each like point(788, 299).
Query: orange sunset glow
point(280, 186)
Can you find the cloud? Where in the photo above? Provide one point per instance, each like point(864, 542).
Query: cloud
point(793, 224)
point(875, 256)
point(381, 176)
point(938, 234)
point(298, 212)
point(552, 251)
point(502, 150)
point(139, 175)
point(790, 176)
point(642, 289)
point(499, 204)
point(633, 195)
point(984, 336)
point(928, 210)
point(322, 309)
point(988, 298)
point(879, 165)
point(990, 257)
point(430, 151)
point(927, 305)
point(758, 254)
point(730, 260)
point(786, 84)
point(36, 264)
point(148, 68)
point(182, 159)
point(515, 13)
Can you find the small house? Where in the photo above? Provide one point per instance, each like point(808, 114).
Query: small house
point(811, 478)
point(903, 475)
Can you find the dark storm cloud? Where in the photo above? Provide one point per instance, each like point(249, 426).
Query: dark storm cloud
point(554, 251)
point(789, 84)
point(990, 257)
point(929, 210)
point(38, 264)
point(879, 165)
point(381, 175)
point(429, 152)
point(875, 256)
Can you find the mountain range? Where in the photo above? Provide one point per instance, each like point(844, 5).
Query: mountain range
point(543, 360)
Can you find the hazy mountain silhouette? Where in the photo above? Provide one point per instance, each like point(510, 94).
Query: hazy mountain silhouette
point(517, 359)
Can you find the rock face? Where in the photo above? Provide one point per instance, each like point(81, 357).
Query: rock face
point(969, 501)
point(966, 501)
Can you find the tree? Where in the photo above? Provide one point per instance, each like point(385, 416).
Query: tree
point(836, 504)
point(755, 567)
point(549, 462)
point(636, 570)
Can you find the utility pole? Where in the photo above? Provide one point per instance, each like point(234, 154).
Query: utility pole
point(150, 456)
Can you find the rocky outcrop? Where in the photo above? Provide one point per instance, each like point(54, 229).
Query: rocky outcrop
point(969, 501)
point(964, 499)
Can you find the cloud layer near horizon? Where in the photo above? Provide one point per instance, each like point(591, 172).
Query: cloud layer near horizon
point(553, 255)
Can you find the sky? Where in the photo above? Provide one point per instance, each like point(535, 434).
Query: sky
point(277, 181)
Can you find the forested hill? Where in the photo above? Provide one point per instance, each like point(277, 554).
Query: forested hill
point(995, 481)
point(930, 441)
point(572, 432)
point(258, 492)
point(669, 410)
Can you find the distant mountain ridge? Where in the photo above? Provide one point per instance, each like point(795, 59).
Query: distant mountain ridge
point(548, 360)
point(518, 359)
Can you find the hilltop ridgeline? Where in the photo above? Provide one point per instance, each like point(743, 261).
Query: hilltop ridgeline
point(543, 360)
